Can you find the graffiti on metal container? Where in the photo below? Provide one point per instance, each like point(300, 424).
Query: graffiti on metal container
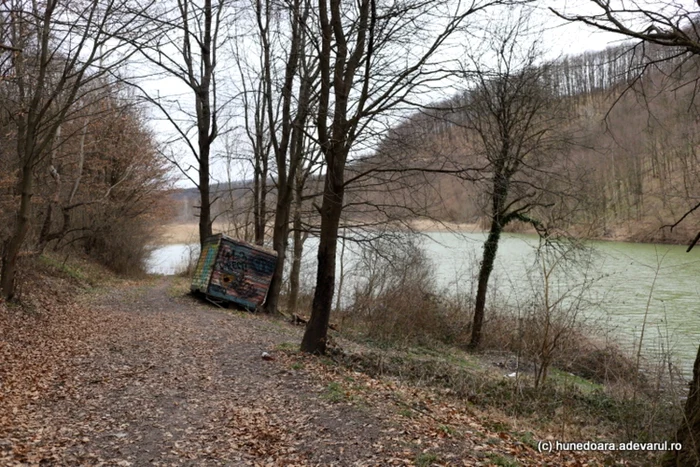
point(262, 265)
point(234, 271)
point(243, 288)
point(235, 265)
point(232, 261)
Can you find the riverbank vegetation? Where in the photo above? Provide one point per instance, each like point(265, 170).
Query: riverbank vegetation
point(542, 364)
point(99, 187)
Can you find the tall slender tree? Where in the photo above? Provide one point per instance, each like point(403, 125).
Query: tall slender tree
point(257, 131)
point(373, 56)
point(509, 118)
point(183, 40)
point(288, 117)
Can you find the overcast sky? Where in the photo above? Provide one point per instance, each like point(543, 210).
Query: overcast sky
point(558, 38)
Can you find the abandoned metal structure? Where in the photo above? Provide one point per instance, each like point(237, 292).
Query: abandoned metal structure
point(234, 271)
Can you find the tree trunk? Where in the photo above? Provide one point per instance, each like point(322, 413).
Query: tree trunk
point(258, 235)
point(44, 233)
point(45, 228)
point(298, 251)
point(688, 433)
point(260, 187)
point(204, 140)
point(499, 195)
point(314, 340)
point(14, 244)
point(342, 276)
point(205, 229)
point(490, 249)
point(206, 125)
point(280, 238)
point(260, 199)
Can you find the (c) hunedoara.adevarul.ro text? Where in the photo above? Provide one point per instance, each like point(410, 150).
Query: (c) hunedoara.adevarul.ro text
point(551, 446)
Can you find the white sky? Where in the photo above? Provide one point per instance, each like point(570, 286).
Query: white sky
point(558, 38)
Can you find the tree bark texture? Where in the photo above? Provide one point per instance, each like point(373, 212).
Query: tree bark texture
point(280, 238)
point(315, 337)
point(688, 433)
point(260, 196)
point(298, 250)
point(13, 246)
point(206, 121)
point(498, 197)
point(490, 250)
point(205, 229)
point(205, 138)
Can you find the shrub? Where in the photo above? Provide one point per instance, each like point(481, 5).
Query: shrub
point(394, 299)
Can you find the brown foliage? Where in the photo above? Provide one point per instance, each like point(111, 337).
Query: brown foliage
point(102, 190)
point(632, 160)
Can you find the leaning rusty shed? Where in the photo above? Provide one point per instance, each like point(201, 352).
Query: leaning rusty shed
point(234, 271)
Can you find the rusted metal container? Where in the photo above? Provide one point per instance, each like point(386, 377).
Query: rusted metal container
point(234, 271)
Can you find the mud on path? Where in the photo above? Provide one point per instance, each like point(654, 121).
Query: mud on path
point(157, 378)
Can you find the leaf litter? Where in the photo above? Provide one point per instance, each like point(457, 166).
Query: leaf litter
point(134, 376)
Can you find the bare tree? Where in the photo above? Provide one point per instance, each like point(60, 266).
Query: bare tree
point(510, 117)
point(300, 231)
point(288, 119)
point(254, 102)
point(183, 40)
point(668, 24)
point(672, 26)
point(55, 53)
point(367, 69)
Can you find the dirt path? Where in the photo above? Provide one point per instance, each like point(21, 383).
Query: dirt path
point(161, 379)
point(172, 381)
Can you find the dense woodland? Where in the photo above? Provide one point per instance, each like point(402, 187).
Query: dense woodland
point(100, 186)
point(79, 166)
point(632, 157)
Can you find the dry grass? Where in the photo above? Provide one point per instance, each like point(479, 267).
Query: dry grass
point(429, 225)
point(421, 333)
point(594, 389)
point(170, 234)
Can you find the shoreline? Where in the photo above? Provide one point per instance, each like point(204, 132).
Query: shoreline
point(428, 225)
point(188, 232)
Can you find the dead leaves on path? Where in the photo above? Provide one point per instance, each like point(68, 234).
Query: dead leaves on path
point(429, 427)
point(143, 379)
point(38, 347)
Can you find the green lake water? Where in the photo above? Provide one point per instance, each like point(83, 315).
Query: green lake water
point(627, 282)
point(624, 279)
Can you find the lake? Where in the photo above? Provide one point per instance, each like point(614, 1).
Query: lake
point(626, 281)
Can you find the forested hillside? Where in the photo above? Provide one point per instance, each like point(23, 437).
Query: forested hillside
point(628, 150)
point(627, 155)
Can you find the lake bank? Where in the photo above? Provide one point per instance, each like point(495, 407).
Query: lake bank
point(188, 232)
point(634, 287)
point(139, 373)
